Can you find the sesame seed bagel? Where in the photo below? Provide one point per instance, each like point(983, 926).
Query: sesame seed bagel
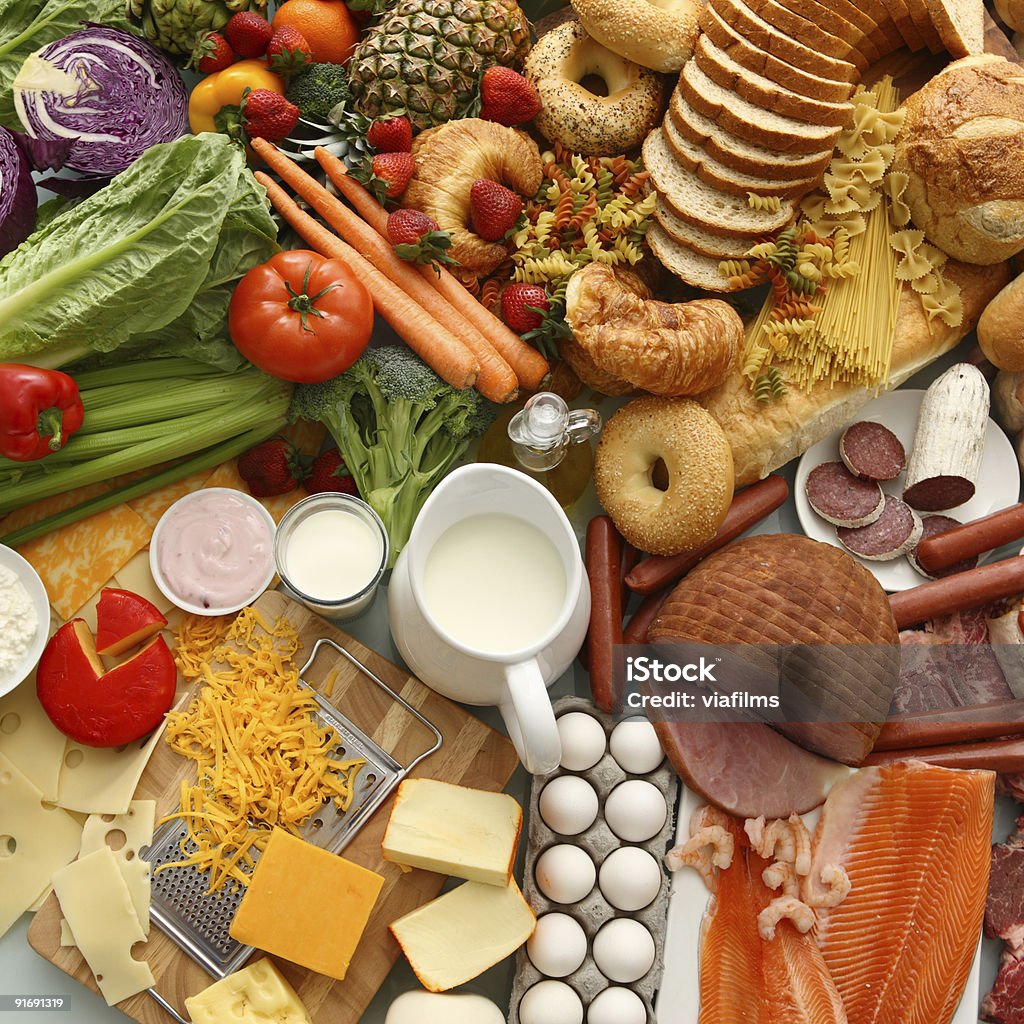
point(579, 119)
point(698, 462)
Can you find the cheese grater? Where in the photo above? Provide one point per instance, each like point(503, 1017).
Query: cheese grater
point(198, 922)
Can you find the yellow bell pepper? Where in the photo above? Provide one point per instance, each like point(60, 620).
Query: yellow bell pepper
point(224, 89)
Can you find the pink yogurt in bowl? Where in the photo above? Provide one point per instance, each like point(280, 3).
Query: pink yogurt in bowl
point(212, 551)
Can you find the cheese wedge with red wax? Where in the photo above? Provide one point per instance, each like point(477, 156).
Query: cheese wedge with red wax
point(124, 620)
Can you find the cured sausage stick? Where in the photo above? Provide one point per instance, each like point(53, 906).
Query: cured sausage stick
point(955, 593)
point(999, 755)
point(961, 542)
point(953, 725)
point(748, 508)
point(604, 561)
point(640, 623)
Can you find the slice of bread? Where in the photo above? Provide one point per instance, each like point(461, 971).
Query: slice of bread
point(810, 33)
point(879, 12)
point(750, 121)
point(960, 24)
point(744, 53)
point(689, 266)
point(707, 168)
point(921, 15)
point(749, 85)
point(720, 247)
point(844, 19)
point(901, 15)
point(760, 34)
point(703, 205)
point(739, 154)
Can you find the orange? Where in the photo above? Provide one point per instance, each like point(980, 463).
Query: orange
point(327, 26)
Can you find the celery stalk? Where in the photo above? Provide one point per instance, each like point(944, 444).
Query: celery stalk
point(143, 369)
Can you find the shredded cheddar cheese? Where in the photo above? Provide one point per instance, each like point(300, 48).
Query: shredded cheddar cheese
point(262, 758)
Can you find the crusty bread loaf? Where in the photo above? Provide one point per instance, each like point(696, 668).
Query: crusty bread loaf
point(1001, 328)
point(1011, 13)
point(766, 436)
point(706, 243)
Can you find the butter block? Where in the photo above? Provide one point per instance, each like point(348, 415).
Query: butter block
point(306, 905)
point(257, 994)
point(468, 833)
point(462, 933)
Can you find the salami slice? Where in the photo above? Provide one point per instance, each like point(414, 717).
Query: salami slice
point(872, 451)
point(931, 527)
point(840, 498)
point(893, 533)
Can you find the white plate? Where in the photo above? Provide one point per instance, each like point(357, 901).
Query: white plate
point(998, 481)
point(10, 559)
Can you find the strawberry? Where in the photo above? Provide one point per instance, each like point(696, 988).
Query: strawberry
point(395, 170)
point(493, 209)
point(248, 34)
point(211, 54)
point(418, 238)
point(268, 115)
point(519, 306)
point(390, 135)
point(507, 97)
point(328, 473)
point(288, 51)
point(271, 467)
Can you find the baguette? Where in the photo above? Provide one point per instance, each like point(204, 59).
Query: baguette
point(765, 437)
point(1001, 328)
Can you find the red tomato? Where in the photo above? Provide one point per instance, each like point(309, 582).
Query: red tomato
point(301, 317)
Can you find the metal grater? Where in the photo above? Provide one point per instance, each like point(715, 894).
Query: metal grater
point(198, 922)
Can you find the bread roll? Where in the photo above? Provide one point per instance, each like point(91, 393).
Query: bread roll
point(657, 36)
point(764, 437)
point(1011, 13)
point(962, 147)
point(1001, 328)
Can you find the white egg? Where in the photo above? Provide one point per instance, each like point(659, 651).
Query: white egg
point(617, 1006)
point(557, 946)
point(583, 741)
point(565, 873)
point(635, 810)
point(623, 950)
point(568, 805)
point(630, 878)
point(634, 744)
point(550, 1002)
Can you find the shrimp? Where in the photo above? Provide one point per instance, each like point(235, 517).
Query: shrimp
point(838, 882)
point(801, 915)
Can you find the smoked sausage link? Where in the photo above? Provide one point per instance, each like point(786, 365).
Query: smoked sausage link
point(963, 542)
point(604, 561)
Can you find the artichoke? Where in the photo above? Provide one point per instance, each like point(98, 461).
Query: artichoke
point(177, 26)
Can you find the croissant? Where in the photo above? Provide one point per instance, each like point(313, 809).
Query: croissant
point(666, 348)
point(448, 159)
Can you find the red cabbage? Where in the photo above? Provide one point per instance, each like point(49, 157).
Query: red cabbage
point(110, 92)
point(19, 156)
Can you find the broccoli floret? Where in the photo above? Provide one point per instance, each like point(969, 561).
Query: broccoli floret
point(399, 428)
point(319, 89)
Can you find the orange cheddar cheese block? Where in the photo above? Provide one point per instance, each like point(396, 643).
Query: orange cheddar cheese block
point(306, 905)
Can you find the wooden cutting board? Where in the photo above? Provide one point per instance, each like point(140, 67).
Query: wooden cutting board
point(472, 754)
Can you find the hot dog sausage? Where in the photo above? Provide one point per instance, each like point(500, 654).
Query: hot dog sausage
point(636, 631)
point(962, 542)
point(953, 725)
point(748, 508)
point(630, 556)
point(955, 593)
point(604, 559)
point(1002, 755)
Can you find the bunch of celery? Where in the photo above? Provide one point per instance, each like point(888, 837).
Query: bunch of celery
point(143, 415)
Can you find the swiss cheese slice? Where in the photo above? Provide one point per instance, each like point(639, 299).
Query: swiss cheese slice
point(257, 994)
point(98, 907)
point(462, 933)
point(30, 739)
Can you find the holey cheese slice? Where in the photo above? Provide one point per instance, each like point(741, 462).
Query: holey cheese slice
point(257, 994)
point(462, 933)
point(453, 830)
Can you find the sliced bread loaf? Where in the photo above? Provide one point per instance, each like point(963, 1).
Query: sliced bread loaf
point(845, 19)
point(810, 33)
point(760, 34)
point(695, 158)
point(689, 266)
point(744, 53)
point(901, 15)
point(721, 68)
point(720, 247)
point(960, 24)
point(703, 205)
point(923, 22)
point(750, 121)
point(739, 154)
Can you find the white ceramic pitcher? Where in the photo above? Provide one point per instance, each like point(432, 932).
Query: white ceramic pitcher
point(513, 681)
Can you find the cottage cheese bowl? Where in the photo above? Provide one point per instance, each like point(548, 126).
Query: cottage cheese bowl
point(24, 618)
point(212, 551)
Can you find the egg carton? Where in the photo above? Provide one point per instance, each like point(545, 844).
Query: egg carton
point(593, 911)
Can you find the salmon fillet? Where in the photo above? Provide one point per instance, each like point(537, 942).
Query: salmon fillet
point(915, 841)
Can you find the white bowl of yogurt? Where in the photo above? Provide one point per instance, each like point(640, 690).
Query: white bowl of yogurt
point(212, 551)
point(24, 618)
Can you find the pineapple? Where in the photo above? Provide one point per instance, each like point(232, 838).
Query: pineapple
point(424, 58)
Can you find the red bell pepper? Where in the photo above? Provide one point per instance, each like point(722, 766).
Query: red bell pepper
point(39, 411)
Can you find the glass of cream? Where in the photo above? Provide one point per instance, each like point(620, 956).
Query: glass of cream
point(331, 551)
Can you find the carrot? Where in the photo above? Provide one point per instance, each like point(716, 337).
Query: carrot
point(445, 355)
point(530, 366)
point(495, 379)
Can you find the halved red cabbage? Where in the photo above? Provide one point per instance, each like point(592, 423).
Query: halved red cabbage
point(19, 156)
point(109, 92)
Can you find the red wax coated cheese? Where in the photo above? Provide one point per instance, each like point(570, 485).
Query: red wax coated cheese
point(124, 620)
